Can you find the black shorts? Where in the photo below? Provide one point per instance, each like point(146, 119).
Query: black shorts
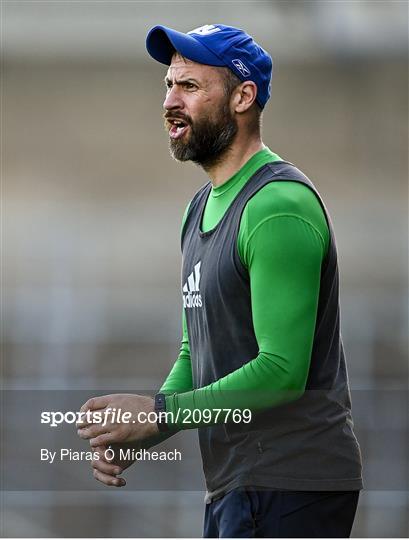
point(251, 513)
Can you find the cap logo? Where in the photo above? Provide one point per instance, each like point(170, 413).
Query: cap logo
point(205, 30)
point(244, 70)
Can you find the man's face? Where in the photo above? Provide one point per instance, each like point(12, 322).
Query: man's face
point(197, 113)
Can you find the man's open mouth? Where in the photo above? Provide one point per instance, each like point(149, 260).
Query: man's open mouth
point(177, 129)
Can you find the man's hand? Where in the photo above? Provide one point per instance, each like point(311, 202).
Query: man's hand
point(113, 428)
point(108, 470)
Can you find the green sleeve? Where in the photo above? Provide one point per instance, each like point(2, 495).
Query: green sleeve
point(180, 376)
point(282, 246)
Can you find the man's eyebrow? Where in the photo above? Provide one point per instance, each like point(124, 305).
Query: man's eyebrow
point(182, 81)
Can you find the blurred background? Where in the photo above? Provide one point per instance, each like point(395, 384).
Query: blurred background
point(91, 211)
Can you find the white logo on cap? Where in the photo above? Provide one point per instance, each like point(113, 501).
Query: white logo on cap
point(244, 70)
point(205, 30)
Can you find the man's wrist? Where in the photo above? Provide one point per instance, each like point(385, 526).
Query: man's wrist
point(160, 409)
point(150, 428)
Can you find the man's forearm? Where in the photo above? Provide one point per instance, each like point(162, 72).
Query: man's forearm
point(261, 383)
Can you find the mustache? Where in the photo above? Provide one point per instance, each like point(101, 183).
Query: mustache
point(174, 116)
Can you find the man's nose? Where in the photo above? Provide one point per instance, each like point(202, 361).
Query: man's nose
point(173, 99)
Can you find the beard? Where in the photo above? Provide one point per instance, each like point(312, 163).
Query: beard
point(209, 138)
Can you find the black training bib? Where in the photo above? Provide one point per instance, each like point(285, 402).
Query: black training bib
point(307, 444)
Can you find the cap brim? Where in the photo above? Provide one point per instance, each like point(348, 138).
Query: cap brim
point(162, 42)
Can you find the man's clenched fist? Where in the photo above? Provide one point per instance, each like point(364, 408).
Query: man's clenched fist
point(117, 418)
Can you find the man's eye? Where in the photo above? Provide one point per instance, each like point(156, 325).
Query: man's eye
point(190, 86)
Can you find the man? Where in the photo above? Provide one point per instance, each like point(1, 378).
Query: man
point(261, 312)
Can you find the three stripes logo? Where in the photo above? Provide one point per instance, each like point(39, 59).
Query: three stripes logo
point(191, 295)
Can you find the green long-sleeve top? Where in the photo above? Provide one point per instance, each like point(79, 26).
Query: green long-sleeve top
point(282, 241)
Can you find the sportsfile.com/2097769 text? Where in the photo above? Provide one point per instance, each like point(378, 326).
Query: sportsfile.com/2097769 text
point(113, 415)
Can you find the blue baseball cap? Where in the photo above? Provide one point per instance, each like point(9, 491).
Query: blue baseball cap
point(216, 45)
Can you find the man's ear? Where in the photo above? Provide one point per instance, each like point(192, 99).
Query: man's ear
point(244, 96)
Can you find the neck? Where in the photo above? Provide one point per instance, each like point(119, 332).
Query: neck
point(235, 157)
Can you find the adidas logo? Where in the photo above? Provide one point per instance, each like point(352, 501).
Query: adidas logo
point(191, 296)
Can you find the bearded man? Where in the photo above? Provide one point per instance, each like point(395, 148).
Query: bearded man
point(261, 331)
